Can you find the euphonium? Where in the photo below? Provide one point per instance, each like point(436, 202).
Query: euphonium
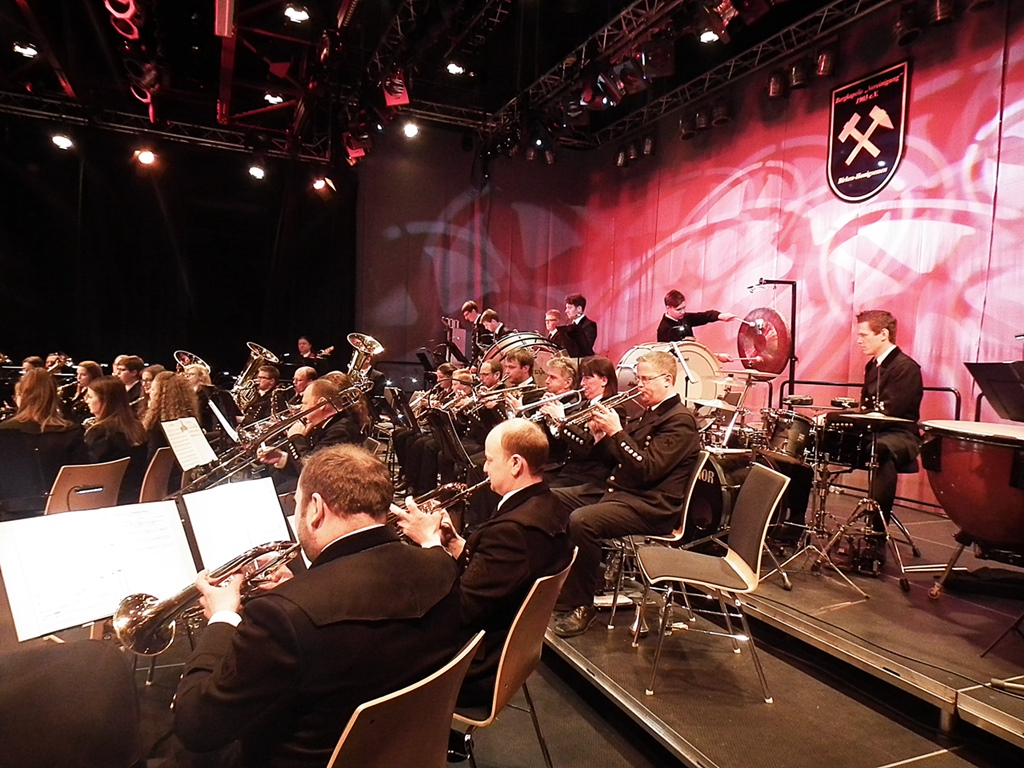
point(145, 624)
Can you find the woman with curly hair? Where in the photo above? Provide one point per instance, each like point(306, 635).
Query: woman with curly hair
point(116, 433)
point(34, 444)
point(171, 397)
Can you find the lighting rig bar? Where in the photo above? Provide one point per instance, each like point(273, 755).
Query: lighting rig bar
point(476, 33)
point(787, 42)
point(43, 108)
point(390, 43)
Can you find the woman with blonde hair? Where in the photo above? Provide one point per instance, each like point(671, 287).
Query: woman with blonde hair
point(34, 444)
point(171, 397)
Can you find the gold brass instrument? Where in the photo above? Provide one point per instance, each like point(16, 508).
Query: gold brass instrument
point(444, 497)
point(4, 358)
point(582, 416)
point(364, 349)
point(245, 389)
point(185, 359)
point(145, 624)
point(242, 456)
point(575, 397)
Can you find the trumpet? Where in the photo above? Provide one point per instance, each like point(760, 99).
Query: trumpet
point(444, 497)
point(581, 417)
point(145, 624)
point(575, 398)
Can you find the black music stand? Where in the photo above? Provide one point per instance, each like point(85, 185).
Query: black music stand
point(1002, 384)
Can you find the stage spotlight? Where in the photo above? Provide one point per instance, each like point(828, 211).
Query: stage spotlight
point(145, 156)
point(908, 26)
point(825, 62)
point(396, 92)
point(687, 127)
point(632, 150)
point(549, 156)
point(323, 184)
point(296, 13)
point(61, 141)
point(776, 85)
point(941, 12)
point(720, 114)
point(454, 68)
point(273, 98)
point(702, 120)
point(798, 75)
point(27, 50)
point(621, 158)
point(647, 145)
point(257, 171)
point(531, 153)
point(411, 130)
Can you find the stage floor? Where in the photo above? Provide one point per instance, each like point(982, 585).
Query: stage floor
point(819, 643)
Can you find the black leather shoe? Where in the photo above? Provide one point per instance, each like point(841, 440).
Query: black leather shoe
point(458, 746)
point(576, 622)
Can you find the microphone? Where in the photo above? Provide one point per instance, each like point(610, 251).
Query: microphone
point(760, 285)
point(1006, 685)
point(1019, 337)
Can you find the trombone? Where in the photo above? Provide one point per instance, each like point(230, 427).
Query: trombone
point(145, 624)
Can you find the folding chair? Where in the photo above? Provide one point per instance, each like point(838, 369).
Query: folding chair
point(86, 486)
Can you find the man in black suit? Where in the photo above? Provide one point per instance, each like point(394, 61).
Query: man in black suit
point(892, 386)
point(644, 494)
point(128, 368)
point(482, 339)
point(553, 329)
point(581, 331)
point(677, 324)
point(269, 400)
point(494, 326)
point(370, 616)
point(525, 539)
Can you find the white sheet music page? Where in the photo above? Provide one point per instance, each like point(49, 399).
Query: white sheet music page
point(190, 446)
point(232, 518)
point(65, 570)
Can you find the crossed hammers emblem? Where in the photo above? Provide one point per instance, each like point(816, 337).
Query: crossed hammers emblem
point(878, 117)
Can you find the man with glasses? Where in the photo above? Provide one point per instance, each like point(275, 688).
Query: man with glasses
point(269, 400)
point(654, 456)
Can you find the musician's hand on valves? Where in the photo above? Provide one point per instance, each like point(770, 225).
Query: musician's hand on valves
point(419, 526)
point(554, 411)
point(226, 596)
point(273, 457)
point(450, 539)
point(275, 578)
point(604, 420)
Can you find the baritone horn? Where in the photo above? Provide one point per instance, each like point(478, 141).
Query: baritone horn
point(185, 359)
point(145, 624)
point(364, 349)
point(244, 391)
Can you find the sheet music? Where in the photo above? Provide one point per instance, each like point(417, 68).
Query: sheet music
point(190, 446)
point(228, 427)
point(69, 569)
point(232, 518)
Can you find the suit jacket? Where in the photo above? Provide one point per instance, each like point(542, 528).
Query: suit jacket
point(655, 453)
point(677, 330)
point(137, 398)
point(580, 337)
point(340, 428)
point(265, 405)
point(526, 539)
point(370, 616)
point(559, 338)
point(30, 461)
point(895, 388)
point(106, 444)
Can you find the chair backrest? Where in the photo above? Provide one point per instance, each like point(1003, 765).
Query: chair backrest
point(680, 529)
point(86, 486)
point(158, 473)
point(525, 639)
point(758, 498)
point(407, 728)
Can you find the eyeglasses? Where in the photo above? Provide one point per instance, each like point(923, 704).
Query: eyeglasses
point(266, 378)
point(649, 379)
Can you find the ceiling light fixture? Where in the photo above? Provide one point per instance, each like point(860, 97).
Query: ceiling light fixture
point(411, 130)
point(273, 98)
point(296, 13)
point(454, 68)
point(27, 50)
point(61, 141)
point(257, 171)
point(323, 183)
point(145, 156)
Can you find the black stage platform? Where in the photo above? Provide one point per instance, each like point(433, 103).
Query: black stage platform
point(707, 706)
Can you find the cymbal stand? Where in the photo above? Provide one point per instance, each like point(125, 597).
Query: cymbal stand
point(868, 510)
point(815, 533)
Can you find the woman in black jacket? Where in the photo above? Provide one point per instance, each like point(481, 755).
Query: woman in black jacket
point(116, 433)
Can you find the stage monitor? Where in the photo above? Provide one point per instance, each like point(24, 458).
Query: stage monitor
point(1003, 386)
point(66, 570)
point(233, 518)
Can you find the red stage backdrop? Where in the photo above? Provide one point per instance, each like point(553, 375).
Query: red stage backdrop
point(942, 246)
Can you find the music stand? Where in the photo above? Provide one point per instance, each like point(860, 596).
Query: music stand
point(1002, 384)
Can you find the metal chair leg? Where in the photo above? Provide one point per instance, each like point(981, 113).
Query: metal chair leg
point(661, 639)
point(536, 727)
point(907, 538)
point(753, 653)
point(728, 623)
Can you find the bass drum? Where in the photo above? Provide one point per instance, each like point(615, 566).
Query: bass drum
point(542, 348)
point(704, 382)
point(715, 492)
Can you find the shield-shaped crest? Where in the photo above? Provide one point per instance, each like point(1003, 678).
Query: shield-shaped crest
point(868, 123)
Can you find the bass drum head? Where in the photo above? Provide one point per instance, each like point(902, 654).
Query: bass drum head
point(704, 381)
point(542, 348)
point(715, 492)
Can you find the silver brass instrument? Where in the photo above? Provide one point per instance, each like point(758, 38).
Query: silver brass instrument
point(575, 397)
point(582, 416)
point(245, 389)
point(145, 625)
point(185, 359)
point(445, 496)
point(364, 349)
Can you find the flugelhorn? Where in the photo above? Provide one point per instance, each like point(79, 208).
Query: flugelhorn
point(567, 399)
point(145, 624)
point(445, 497)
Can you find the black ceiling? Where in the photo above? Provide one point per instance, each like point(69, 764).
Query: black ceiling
point(529, 64)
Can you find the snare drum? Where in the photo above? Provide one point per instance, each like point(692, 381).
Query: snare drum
point(843, 442)
point(977, 473)
point(790, 434)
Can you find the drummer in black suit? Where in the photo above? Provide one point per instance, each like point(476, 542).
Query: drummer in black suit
point(494, 326)
point(677, 324)
point(893, 387)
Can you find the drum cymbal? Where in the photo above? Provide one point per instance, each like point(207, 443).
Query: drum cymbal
point(750, 373)
point(764, 340)
point(719, 404)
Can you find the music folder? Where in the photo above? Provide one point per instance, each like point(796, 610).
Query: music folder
point(1002, 384)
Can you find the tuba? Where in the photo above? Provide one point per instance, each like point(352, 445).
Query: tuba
point(365, 348)
point(244, 391)
point(185, 359)
point(145, 625)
